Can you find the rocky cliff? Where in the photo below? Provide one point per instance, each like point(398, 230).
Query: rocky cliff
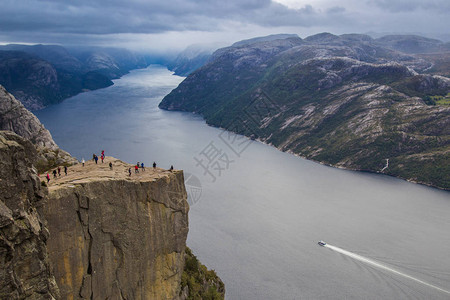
point(16, 118)
point(114, 236)
point(96, 233)
point(347, 101)
point(25, 270)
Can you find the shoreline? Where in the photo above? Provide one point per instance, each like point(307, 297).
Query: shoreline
point(316, 161)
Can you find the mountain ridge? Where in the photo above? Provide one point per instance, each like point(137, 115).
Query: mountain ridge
point(342, 101)
point(41, 75)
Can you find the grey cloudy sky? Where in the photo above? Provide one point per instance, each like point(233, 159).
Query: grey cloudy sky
point(174, 24)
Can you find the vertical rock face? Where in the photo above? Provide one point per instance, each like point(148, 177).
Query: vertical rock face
point(24, 267)
point(113, 236)
point(95, 233)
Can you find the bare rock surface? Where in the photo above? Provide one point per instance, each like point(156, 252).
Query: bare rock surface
point(16, 118)
point(115, 236)
point(25, 271)
point(96, 233)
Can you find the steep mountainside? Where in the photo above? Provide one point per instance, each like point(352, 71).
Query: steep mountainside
point(16, 118)
point(56, 55)
point(41, 75)
point(189, 60)
point(25, 268)
point(346, 101)
point(111, 62)
point(411, 43)
point(195, 56)
point(37, 83)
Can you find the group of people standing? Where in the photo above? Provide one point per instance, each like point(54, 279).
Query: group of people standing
point(56, 171)
point(95, 157)
point(140, 165)
point(137, 166)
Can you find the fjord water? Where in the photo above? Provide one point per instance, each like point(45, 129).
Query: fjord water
point(259, 222)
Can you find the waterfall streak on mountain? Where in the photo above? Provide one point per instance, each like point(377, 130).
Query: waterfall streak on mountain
point(386, 166)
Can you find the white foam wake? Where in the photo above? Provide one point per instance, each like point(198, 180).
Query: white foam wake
point(381, 266)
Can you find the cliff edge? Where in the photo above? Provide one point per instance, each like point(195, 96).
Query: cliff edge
point(115, 236)
point(95, 233)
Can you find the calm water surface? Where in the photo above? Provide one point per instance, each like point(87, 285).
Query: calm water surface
point(259, 222)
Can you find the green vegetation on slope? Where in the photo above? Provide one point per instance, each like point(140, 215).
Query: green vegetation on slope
point(324, 103)
point(203, 284)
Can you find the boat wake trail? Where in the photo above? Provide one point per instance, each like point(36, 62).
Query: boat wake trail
point(381, 266)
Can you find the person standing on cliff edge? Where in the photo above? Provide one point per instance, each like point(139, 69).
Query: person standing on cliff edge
point(129, 171)
point(65, 170)
point(82, 161)
point(48, 178)
point(95, 158)
point(154, 165)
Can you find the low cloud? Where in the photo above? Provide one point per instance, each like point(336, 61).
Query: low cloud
point(438, 6)
point(336, 10)
point(137, 21)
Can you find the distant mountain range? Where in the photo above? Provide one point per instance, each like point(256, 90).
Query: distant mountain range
point(351, 101)
point(196, 56)
point(189, 60)
point(41, 75)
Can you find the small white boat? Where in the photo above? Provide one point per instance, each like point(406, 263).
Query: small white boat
point(322, 243)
